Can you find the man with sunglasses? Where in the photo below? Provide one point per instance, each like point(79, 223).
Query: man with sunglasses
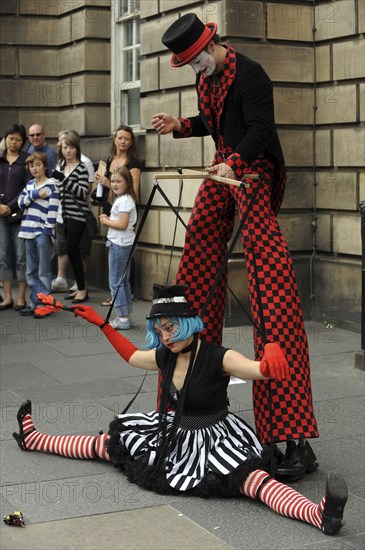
point(37, 143)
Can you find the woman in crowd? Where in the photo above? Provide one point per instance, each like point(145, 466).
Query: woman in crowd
point(193, 445)
point(74, 208)
point(13, 178)
point(122, 153)
point(59, 284)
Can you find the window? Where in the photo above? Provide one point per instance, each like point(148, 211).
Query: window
point(125, 64)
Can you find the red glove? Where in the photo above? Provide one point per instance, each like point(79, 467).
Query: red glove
point(122, 345)
point(88, 313)
point(273, 364)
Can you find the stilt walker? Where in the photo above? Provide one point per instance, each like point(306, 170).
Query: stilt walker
point(235, 104)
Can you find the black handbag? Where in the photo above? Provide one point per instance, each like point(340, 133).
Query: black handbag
point(91, 224)
point(15, 217)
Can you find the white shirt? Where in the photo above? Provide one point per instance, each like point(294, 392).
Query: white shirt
point(123, 205)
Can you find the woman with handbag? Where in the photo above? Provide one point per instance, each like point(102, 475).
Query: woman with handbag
point(122, 153)
point(75, 209)
point(13, 178)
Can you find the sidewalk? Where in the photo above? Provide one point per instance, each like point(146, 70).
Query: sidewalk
point(77, 382)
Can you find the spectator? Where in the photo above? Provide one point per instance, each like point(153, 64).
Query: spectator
point(74, 208)
point(122, 153)
point(39, 200)
point(59, 284)
point(121, 221)
point(37, 140)
point(13, 178)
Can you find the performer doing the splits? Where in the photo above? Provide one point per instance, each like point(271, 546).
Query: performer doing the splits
point(193, 445)
point(235, 102)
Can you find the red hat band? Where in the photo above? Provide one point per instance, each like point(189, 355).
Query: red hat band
point(188, 55)
point(187, 37)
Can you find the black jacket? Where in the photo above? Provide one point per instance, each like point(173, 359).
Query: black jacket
point(247, 122)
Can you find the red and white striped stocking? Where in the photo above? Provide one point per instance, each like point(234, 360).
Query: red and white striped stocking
point(282, 499)
point(72, 446)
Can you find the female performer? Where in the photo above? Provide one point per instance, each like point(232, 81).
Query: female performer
point(193, 445)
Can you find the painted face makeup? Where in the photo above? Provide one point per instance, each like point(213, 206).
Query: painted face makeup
point(204, 63)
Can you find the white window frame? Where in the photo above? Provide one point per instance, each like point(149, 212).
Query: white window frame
point(119, 85)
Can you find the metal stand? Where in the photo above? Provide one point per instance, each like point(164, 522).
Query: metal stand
point(181, 174)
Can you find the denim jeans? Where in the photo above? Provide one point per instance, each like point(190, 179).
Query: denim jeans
point(12, 252)
point(39, 253)
point(118, 256)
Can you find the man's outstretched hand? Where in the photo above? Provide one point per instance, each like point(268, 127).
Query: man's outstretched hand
point(274, 364)
point(164, 123)
point(88, 313)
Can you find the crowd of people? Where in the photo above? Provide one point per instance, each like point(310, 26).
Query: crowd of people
point(45, 210)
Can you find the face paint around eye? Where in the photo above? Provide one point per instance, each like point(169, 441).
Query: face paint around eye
point(204, 63)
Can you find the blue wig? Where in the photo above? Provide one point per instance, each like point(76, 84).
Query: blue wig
point(187, 326)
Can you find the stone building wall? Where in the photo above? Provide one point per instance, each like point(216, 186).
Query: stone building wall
point(340, 115)
point(55, 65)
point(315, 60)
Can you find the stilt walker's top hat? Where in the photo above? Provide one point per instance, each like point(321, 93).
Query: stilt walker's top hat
point(170, 301)
point(187, 37)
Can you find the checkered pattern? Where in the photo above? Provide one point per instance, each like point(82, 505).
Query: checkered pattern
point(271, 277)
point(270, 272)
point(211, 98)
point(283, 410)
point(185, 130)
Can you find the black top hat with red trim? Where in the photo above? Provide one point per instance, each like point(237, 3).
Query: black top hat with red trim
point(187, 37)
point(170, 301)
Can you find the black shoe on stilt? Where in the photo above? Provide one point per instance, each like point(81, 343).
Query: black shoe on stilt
point(272, 457)
point(336, 498)
point(25, 408)
point(299, 459)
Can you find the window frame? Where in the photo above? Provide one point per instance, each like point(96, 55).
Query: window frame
point(120, 85)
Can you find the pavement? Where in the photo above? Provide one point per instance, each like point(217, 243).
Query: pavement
point(77, 382)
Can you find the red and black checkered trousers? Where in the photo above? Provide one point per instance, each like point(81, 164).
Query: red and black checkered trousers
point(288, 412)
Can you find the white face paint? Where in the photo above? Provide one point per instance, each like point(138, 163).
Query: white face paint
point(203, 63)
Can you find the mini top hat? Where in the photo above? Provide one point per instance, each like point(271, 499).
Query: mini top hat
point(187, 37)
point(170, 301)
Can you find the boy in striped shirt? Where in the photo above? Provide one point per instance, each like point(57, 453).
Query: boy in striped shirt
point(39, 199)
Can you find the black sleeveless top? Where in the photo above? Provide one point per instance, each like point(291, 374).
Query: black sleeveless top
point(207, 390)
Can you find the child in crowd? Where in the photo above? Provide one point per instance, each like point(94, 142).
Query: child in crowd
point(121, 221)
point(40, 200)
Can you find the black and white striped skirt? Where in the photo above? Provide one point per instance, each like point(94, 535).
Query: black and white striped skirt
point(211, 455)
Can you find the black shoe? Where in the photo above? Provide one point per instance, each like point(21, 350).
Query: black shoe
point(336, 498)
point(3, 307)
point(18, 307)
point(298, 460)
point(81, 300)
point(25, 408)
point(27, 311)
point(71, 296)
point(272, 457)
